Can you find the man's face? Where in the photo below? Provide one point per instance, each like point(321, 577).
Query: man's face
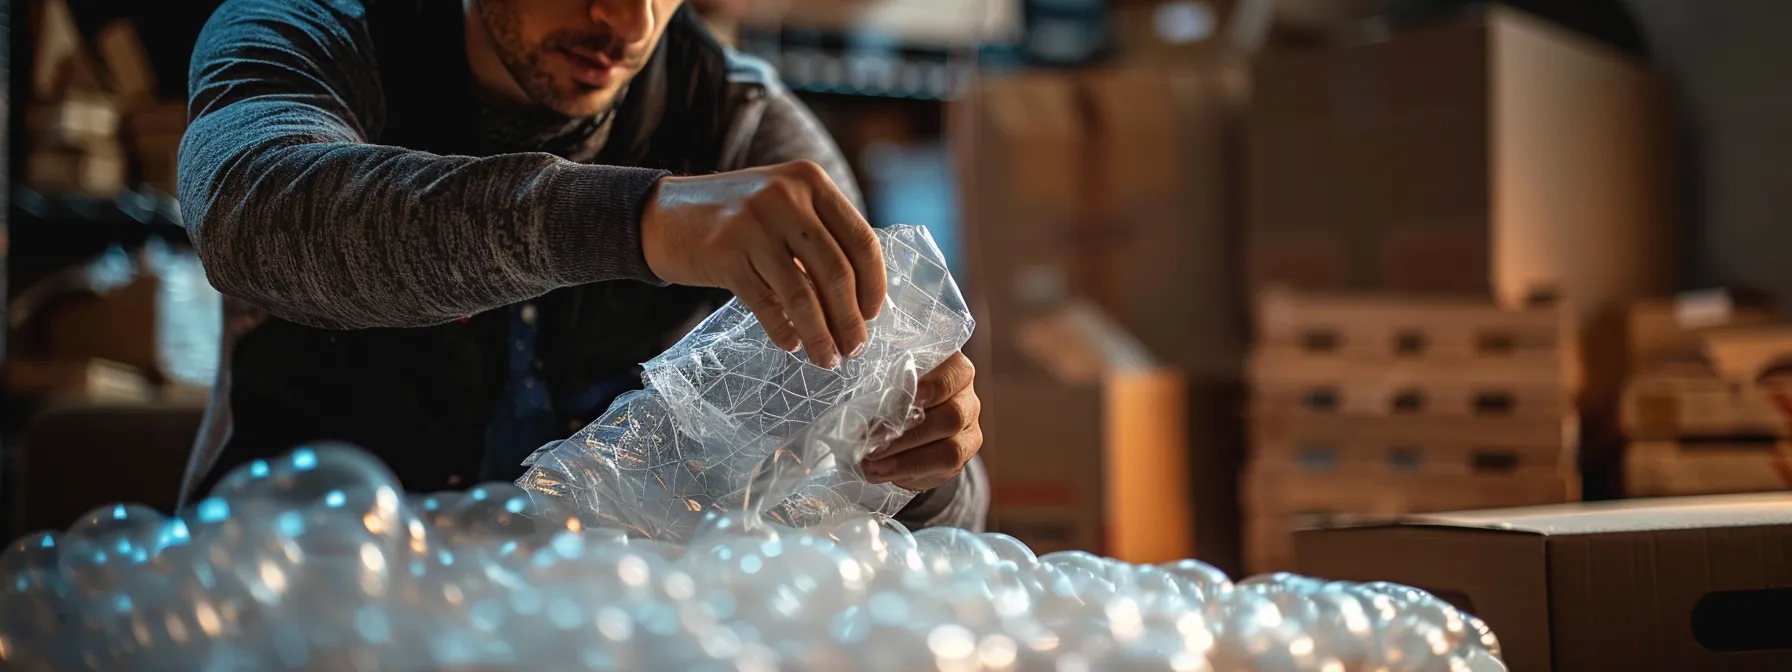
point(573, 56)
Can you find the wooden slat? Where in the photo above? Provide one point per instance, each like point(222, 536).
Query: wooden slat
point(1371, 458)
point(1388, 326)
point(1271, 422)
point(1279, 497)
point(1666, 468)
point(1274, 365)
point(1278, 488)
point(1665, 407)
point(1414, 400)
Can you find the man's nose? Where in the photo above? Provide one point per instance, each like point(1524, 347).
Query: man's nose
point(631, 20)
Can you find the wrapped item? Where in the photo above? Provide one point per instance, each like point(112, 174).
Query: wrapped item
point(728, 421)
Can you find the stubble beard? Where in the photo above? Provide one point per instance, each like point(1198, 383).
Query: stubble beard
point(504, 29)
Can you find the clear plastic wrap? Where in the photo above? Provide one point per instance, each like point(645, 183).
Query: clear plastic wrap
point(728, 421)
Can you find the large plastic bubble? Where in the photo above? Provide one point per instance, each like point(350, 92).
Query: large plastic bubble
point(491, 580)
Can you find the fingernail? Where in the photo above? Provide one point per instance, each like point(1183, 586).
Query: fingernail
point(859, 349)
point(829, 360)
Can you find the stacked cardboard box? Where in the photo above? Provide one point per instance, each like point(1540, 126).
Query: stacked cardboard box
point(1091, 455)
point(156, 131)
point(1379, 405)
point(73, 118)
point(1107, 189)
point(1661, 585)
point(89, 104)
point(74, 146)
point(1497, 156)
point(1700, 412)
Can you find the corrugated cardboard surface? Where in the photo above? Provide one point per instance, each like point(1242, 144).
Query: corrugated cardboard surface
point(1496, 155)
point(1099, 467)
point(1671, 584)
point(1111, 186)
point(1356, 154)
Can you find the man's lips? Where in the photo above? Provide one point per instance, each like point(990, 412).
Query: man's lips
point(589, 68)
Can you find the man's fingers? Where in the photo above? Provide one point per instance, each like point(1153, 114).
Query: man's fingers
point(797, 296)
point(759, 298)
point(945, 381)
point(834, 279)
point(923, 468)
point(943, 421)
point(854, 236)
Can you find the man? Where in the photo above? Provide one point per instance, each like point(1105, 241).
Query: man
point(452, 232)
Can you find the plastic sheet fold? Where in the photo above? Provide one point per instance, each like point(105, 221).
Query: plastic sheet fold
point(728, 421)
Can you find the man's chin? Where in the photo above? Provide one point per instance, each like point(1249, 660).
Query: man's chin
point(584, 103)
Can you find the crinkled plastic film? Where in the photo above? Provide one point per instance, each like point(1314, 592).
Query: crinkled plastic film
point(730, 422)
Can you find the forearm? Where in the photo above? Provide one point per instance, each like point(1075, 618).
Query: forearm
point(350, 235)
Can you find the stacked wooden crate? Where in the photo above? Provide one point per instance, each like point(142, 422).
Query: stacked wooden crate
point(1383, 405)
point(92, 101)
point(73, 119)
point(1700, 412)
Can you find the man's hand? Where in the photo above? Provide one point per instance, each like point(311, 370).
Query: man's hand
point(949, 435)
point(784, 240)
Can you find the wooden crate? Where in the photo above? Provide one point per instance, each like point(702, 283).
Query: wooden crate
point(99, 171)
point(1672, 330)
point(1485, 388)
point(1278, 495)
point(1674, 468)
point(1670, 403)
point(1392, 457)
point(1394, 327)
point(1407, 356)
point(1281, 423)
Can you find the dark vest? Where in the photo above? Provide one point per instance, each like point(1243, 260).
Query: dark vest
point(421, 398)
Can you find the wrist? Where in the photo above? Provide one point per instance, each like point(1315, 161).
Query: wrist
point(652, 230)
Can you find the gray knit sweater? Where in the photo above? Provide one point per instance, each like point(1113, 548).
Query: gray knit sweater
point(296, 209)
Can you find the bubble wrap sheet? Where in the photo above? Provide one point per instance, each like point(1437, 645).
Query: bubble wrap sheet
point(730, 422)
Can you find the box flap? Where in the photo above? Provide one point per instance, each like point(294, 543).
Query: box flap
point(1640, 515)
point(1079, 343)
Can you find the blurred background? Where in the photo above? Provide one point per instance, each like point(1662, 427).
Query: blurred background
point(1239, 265)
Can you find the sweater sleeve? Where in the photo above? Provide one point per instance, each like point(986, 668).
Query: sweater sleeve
point(293, 208)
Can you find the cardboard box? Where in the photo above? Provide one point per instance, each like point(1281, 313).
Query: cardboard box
point(88, 381)
point(1112, 185)
point(93, 171)
point(167, 322)
point(1094, 458)
point(1499, 156)
point(1281, 493)
point(60, 65)
point(76, 122)
point(132, 77)
point(1023, 154)
point(1666, 584)
point(158, 161)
